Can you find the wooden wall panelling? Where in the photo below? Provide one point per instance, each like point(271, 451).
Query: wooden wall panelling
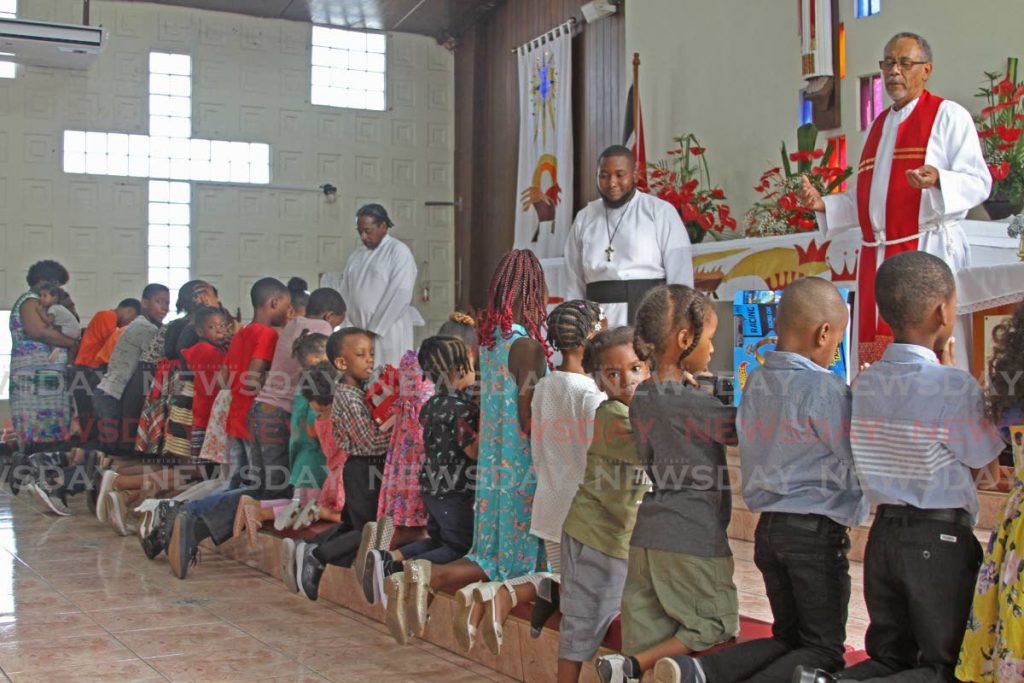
point(487, 123)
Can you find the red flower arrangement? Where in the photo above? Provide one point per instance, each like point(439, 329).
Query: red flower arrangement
point(779, 212)
point(1000, 126)
point(684, 181)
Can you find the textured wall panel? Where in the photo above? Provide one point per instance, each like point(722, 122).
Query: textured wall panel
point(403, 133)
point(439, 136)
point(291, 249)
point(403, 212)
point(403, 172)
point(403, 93)
point(250, 83)
point(367, 170)
point(291, 123)
point(292, 207)
point(252, 246)
point(37, 241)
point(84, 241)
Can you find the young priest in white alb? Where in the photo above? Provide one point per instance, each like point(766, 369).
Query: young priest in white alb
point(624, 243)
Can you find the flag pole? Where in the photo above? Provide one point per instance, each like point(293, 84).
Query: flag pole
point(636, 95)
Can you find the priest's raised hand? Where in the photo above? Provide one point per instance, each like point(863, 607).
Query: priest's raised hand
point(809, 197)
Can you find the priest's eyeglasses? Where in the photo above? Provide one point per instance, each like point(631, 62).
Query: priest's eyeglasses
point(904, 64)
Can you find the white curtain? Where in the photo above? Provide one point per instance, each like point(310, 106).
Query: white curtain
point(544, 190)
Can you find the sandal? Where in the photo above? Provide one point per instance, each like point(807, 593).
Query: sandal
point(492, 631)
point(307, 516)
point(465, 630)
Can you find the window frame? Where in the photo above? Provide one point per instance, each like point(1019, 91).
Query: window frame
point(386, 73)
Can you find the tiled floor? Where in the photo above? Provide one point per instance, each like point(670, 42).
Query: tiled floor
point(78, 603)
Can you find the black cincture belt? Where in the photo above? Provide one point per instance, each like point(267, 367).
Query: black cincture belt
point(629, 292)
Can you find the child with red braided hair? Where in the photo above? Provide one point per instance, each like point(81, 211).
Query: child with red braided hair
point(513, 355)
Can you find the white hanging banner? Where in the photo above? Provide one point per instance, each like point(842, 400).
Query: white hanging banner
point(544, 189)
point(816, 38)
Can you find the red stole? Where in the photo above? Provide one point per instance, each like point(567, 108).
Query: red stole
point(902, 203)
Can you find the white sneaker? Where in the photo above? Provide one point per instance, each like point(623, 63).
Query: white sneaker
point(288, 548)
point(106, 486)
point(115, 513)
point(286, 516)
point(52, 502)
point(616, 669)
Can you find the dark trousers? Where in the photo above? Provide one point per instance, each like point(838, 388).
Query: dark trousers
point(803, 559)
point(84, 381)
point(919, 576)
point(267, 449)
point(449, 529)
point(362, 479)
point(108, 422)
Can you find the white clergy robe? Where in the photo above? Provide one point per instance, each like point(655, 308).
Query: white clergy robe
point(964, 182)
point(649, 240)
point(378, 286)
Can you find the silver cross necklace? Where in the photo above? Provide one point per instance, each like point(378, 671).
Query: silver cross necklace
point(610, 251)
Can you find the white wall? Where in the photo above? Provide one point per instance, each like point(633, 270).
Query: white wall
point(729, 70)
point(250, 82)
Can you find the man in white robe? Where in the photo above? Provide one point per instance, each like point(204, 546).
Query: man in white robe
point(953, 179)
point(378, 286)
point(624, 243)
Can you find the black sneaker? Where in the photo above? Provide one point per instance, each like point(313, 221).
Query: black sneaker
point(310, 570)
point(155, 541)
point(379, 565)
point(808, 674)
point(182, 549)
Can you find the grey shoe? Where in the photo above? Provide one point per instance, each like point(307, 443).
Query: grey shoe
point(617, 669)
point(51, 500)
point(288, 548)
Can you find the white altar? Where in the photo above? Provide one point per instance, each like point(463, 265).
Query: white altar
point(721, 269)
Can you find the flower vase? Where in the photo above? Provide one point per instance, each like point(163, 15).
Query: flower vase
point(999, 208)
point(695, 232)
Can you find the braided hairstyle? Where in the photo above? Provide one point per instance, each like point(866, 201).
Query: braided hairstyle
point(309, 344)
point(664, 311)
point(440, 356)
point(517, 293)
point(318, 382)
point(572, 322)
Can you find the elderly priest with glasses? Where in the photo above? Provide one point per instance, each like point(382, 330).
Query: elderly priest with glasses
point(625, 243)
point(921, 171)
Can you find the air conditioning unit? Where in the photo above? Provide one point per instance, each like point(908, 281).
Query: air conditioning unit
point(43, 43)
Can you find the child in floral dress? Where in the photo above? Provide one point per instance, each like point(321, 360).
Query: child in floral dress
point(993, 647)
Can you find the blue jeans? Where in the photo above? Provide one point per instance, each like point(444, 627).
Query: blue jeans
point(449, 529)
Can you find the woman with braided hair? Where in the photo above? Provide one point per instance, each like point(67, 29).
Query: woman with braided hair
point(513, 355)
point(679, 595)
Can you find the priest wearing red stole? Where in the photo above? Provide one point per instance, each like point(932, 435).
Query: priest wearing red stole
point(920, 172)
